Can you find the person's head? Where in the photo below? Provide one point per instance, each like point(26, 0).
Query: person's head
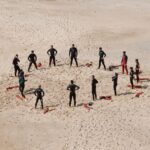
point(73, 45)
point(124, 52)
point(131, 68)
point(16, 55)
point(51, 46)
point(93, 76)
point(32, 51)
point(136, 60)
point(100, 48)
point(39, 86)
point(72, 81)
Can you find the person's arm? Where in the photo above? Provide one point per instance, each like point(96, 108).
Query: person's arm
point(18, 60)
point(68, 87)
point(35, 58)
point(48, 52)
point(43, 93)
point(96, 81)
point(29, 57)
point(35, 92)
point(70, 52)
point(104, 54)
point(126, 59)
point(77, 87)
point(55, 52)
point(76, 52)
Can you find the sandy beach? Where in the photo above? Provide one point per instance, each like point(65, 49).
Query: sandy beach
point(115, 25)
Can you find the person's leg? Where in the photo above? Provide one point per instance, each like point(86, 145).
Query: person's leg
point(42, 103)
point(131, 81)
point(71, 61)
point(50, 61)
point(103, 62)
point(35, 64)
point(99, 63)
point(18, 70)
point(93, 95)
point(115, 90)
point(122, 69)
point(74, 97)
point(15, 68)
point(30, 64)
point(54, 61)
point(76, 61)
point(126, 68)
point(37, 99)
point(137, 76)
point(23, 86)
point(70, 99)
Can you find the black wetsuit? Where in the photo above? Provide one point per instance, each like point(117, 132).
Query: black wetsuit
point(40, 94)
point(101, 59)
point(115, 83)
point(16, 66)
point(73, 53)
point(21, 83)
point(72, 88)
point(137, 71)
point(94, 94)
point(52, 52)
point(32, 59)
point(131, 78)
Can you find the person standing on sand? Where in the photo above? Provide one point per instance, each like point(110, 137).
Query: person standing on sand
point(137, 70)
point(22, 82)
point(94, 82)
point(52, 53)
point(73, 54)
point(115, 83)
point(39, 93)
point(72, 88)
point(132, 77)
point(124, 63)
point(32, 59)
point(102, 54)
point(16, 66)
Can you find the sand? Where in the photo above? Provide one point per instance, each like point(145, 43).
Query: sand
point(115, 25)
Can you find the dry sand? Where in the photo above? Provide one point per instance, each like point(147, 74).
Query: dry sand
point(116, 25)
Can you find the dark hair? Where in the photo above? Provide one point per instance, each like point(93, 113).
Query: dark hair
point(72, 81)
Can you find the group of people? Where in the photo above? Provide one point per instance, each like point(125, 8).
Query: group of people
point(73, 54)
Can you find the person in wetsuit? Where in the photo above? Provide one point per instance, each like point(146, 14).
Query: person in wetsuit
point(124, 63)
point(21, 82)
point(72, 88)
point(102, 54)
point(94, 82)
point(73, 53)
point(132, 77)
point(137, 70)
point(16, 66)
point(115, 83)
point(52, 53)
point(32, 59)
point(39, 93)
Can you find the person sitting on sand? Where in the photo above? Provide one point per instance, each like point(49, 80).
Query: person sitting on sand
point(102, 54)
point(124, 63)
point(16, 66)
point(72, 88)
point(52, 53)
point(132, 77)
point(115, 83)
point(39, 93)
point(137, 70)
point(94, 82)
point(32, 59)
point(73, 53)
